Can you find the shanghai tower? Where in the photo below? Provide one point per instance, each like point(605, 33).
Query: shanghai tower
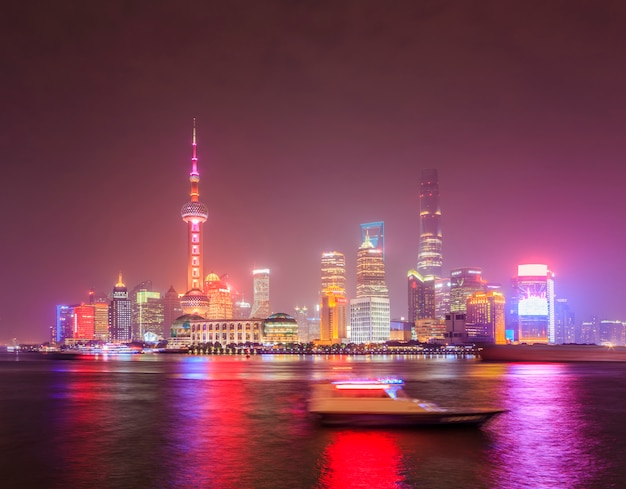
point(429, 258)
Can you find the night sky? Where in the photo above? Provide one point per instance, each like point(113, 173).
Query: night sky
point(313, 117)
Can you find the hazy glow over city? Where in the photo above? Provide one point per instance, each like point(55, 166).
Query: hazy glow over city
point(311, 119)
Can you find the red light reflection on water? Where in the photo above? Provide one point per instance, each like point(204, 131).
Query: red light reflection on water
point(361, 459)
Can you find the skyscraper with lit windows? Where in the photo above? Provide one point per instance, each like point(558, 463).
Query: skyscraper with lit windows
point(195, 214)
point(370, 314)
point(120, 314)
point(485, 317)
point(430, 257)
point(261, 299)
point(532, 304)
point(333, 306)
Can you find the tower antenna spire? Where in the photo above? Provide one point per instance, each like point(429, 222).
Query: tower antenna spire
point(194, 155)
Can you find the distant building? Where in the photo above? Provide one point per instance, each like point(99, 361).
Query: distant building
point(261, 300)
point(241, 309)
point(83, 322)
point(401, 330)
point(430, 257)
point(421, 295)
point(455, 333)
point(120, 314)
point(64, 322)
point(442, 297)
point(305, 332)
point(225, 332)
point(370, 320)
point(430, 330)
point(220, 297)
point(370, 313)
point(280, 328)
point(485, 318)
point(463, 283)
point(171, 309)
point(532, 302)
point(333, 302)
point(564, 324)
point(611, 332)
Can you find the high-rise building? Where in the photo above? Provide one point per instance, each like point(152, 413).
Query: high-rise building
point(463, 283)
point(370, 320)
point(421, 296)
point(64, 324)
point(370, 315)
point(611, 332)
point(564, 326)
point(101, 319)
point(171, 309)
point(370, 268)
point(484, 321)
point(333, 303)
point(120, 314)
point(532, 303)
point(430, 258)
point(83, 322)
point(241, 309)
point(148, 316)
point(442, 297)
point(195, 214)
point(220, 297)
point(261, 301)
point(334, 271)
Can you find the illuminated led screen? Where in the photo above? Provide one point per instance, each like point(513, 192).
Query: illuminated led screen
point(533, 306)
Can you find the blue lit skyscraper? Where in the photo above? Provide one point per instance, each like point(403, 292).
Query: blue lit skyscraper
point(429, 258)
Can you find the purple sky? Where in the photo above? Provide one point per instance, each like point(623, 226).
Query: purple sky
point(313, 117)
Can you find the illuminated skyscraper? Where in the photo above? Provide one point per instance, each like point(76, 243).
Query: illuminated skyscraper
point(333, 306)
point(421, 296)
point(194, 213)
point(83, 322)
point(370, 265)
point(564, 325)
point(120, 314)
point(370, 315)
point(220, 297)
point(429, 258)
point(261, 301)
point(463, 283)
point(485, 318)
point(532, 303)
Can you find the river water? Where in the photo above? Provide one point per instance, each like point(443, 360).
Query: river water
point(175, 421)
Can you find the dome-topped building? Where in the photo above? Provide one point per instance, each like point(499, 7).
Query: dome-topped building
point(280, 328)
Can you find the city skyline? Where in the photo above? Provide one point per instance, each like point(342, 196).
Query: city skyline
point(311, 120)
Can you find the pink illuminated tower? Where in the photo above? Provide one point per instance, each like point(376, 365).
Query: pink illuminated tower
point(195, 214)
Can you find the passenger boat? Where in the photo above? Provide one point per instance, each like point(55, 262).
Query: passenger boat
point(385, 403)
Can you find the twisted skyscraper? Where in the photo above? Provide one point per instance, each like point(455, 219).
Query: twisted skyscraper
point(429, 258)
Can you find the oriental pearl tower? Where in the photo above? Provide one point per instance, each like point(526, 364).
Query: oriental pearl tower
point(195, 214)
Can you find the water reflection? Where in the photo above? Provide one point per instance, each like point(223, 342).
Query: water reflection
point(546, 440)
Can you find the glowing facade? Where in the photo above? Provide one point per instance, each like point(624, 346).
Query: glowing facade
point(370, 269)
point(220, 297)
point(261, 301)
point(532, 303)
point(463, 283)
point(333, 304)
point(421, 296)
point(485, 318)
point(195, 214)
point(120, 314)
point(430, 258)
point(370, 314)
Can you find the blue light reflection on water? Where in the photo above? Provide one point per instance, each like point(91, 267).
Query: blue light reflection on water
point(222, 422)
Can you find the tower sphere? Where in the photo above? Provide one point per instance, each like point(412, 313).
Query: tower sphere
point(194, 211)
point(194, 302)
